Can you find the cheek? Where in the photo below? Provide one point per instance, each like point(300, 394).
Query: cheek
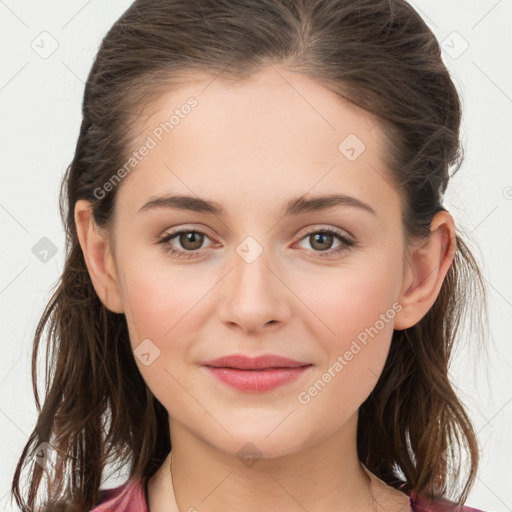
point(160, 300)
point(165, 306)
point(348, 300)
point(357, 310)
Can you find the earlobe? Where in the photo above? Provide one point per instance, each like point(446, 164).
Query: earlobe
point(98, 258)
point(428, 265)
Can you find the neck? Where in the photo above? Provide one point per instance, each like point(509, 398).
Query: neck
point(323, 477)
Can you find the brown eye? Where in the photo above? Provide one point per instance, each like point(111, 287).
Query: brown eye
point(321, 241)
point(184, 243)
point(191, 240)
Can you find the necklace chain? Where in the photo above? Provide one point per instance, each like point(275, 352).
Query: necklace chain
point(372, 501)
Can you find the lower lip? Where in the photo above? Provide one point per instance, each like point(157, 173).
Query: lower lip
point(257, 381)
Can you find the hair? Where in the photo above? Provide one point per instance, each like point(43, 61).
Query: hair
point(379, 55)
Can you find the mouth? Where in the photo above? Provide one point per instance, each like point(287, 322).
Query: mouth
point(258, 374)
point(243, 362)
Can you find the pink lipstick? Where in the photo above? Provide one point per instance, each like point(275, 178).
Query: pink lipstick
point(256, 374)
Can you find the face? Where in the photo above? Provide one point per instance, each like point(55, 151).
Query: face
point(258, 277)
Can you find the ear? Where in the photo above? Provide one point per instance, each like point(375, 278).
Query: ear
point(98, 258)
point(429, 262)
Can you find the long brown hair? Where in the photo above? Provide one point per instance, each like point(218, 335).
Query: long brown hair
point(378, 54)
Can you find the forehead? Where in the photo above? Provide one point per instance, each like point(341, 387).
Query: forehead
point(275, 136)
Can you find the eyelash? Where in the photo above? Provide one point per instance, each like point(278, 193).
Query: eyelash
point(346, 243)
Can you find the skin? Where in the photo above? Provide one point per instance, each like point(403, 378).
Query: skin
point(252, 147)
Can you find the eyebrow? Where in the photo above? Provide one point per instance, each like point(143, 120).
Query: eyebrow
point(294, 207)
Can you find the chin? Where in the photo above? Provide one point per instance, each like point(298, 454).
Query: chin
point(258, 440)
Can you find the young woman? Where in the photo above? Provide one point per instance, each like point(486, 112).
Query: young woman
point(260, 271)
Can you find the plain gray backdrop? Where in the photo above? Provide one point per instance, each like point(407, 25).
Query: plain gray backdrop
point(47, 49)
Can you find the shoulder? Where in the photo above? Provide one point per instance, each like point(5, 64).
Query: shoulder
point(128, 497)
point(437, 505)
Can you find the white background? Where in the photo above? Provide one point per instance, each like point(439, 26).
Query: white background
point(40, 100)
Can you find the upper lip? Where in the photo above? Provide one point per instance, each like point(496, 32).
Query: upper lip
point(243, 362)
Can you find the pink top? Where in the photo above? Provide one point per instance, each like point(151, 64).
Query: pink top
point(130, 497)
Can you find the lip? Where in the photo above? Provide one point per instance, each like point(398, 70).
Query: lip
point(242, 362)
point(256, 374)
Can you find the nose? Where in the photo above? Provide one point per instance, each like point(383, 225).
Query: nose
point(254, 297)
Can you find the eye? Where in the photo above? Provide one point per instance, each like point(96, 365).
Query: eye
point(321, 241)
point(191, 241)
